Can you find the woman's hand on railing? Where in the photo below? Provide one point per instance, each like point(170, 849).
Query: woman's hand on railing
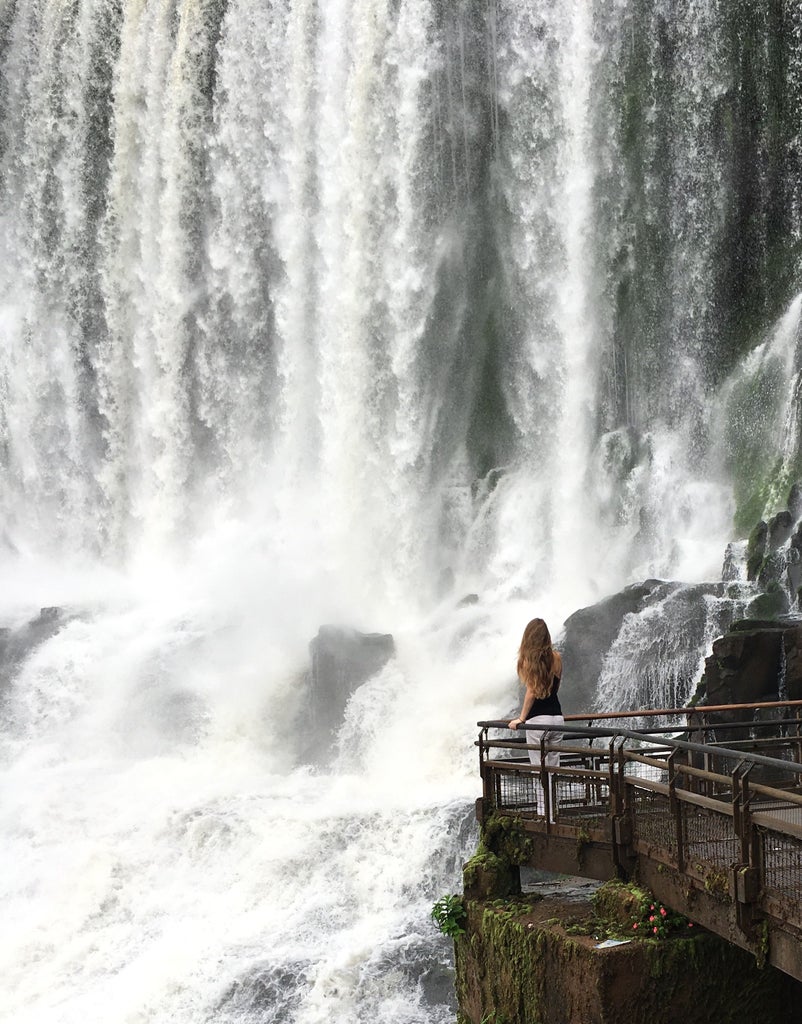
point(515, 723)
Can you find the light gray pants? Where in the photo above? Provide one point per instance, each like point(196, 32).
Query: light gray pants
point(534, 736)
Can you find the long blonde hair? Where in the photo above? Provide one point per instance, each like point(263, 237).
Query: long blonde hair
point(536, 659)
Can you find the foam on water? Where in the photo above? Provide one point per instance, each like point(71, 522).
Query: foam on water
point(306, 317)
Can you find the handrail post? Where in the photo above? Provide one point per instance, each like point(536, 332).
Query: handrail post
point(745, 882)
point(544, 780)
point(620, 812)
point(484, 775)
point(798, 734)
point(675, 806)
point(616, 795)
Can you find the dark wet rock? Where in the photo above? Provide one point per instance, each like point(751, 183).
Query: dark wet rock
point(730, 570)
point(437, 985)
point(421, 965)
point(756, 550)
point(654, 661)
point(795, 502)
point(342, 660)
point(794, 569)
point(773, 569)
point(588, 635)
point(774, 555)
point(772, 604)
point(266, 992)
point(17, 644)
point(780, 528)
point(749, 662)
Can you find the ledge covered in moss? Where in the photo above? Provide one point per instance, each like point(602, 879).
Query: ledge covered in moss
point(532, 960)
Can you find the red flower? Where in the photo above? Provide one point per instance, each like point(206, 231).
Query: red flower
point(654, 930)
point(651, 919)
point(635, 925)
point(663, 911)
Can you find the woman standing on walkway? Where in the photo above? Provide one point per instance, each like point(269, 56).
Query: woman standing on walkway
point(540, 669)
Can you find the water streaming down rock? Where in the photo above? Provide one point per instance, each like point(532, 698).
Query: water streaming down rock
point(334, 313)
point(658, 655)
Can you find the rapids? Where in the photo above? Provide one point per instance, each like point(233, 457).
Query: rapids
point(339, 312)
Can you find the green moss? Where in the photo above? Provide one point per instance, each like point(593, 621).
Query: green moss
point(487, 875)
point(756, 549)
point(582, 840)
point(762, 953)
point(617, 904)
point(505, 835)
point(770, 605)
point(510, 969)
point(717, 884)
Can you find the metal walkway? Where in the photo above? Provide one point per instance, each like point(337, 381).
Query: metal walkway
point(705, 811)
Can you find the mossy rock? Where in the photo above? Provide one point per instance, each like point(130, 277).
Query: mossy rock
point(618, 903)
point(488, 876)
point(773, 570)
point(756, 550)
point(771, 605)
point(506, 836)
point(519, 964)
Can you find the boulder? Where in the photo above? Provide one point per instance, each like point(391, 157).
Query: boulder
point(17, 644)
point(772, 573)
point(772, 604)
point(756, 549)
point(756, 661)
point(342, 659)
point(780, 528)
point(795, 502)
point(730, 570)
point(588, 635)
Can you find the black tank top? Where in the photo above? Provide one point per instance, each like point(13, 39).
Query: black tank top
point(547, 705)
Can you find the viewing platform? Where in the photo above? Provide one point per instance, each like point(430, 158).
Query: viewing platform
point(702, 806)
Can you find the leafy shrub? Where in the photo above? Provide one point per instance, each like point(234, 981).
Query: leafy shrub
point(449, 913)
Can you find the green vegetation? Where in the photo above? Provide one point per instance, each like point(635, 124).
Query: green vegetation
point(449, 913)
point(515, 967)
point(654, 920)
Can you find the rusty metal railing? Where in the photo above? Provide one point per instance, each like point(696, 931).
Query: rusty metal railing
point(724, 814)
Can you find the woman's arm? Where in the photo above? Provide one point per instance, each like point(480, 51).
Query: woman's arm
point(526, 707)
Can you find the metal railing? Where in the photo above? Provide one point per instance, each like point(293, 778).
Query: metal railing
point(725, 813)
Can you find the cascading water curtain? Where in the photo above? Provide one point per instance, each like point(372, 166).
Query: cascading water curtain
point(325, 311)
point(451, 283)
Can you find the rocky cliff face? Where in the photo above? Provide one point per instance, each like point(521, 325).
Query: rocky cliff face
point(530, 961)
point(755, 661)
point(644, 646)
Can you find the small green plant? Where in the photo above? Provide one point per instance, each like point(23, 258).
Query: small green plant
point(655, 921)
point(762, 951)
point(449, 913)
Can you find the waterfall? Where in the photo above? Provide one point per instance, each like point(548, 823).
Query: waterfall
point(411, 316)
point(343, 259)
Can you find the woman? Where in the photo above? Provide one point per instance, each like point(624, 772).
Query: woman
point(540, 669)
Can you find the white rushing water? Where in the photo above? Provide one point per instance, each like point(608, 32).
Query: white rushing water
point(305, 318)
